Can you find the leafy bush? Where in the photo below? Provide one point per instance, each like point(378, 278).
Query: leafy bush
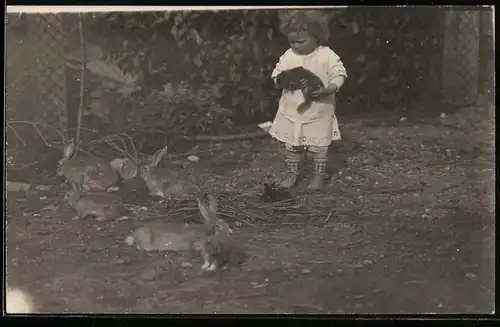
point(208, 71)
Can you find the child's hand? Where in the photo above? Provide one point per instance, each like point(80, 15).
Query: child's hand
point(323, 91)
point(303, 83)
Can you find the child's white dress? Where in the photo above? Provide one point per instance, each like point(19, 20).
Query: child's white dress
point(318, 125)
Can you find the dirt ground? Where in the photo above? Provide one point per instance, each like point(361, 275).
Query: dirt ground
point(406, 225)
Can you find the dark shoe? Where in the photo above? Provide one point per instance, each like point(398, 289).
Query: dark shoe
point(290, 179)
point(319, 177)
point(317, 182)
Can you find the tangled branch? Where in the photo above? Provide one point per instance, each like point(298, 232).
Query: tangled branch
point(118, 141)
point(111, 141)
point(16, 133)
point(36, 126)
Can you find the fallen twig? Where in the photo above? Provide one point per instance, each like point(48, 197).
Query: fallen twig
point(278, 224)
point(247, 296)
point(374, 191)
point(186, 154)
point(327, 218)
point(353, 265)
point(222, 138)
point(416, 282)
point(447, 188)
point(315, 262)
point(306, 306)
point(353, 245)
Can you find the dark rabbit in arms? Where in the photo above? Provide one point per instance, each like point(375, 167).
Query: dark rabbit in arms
point(290, 80)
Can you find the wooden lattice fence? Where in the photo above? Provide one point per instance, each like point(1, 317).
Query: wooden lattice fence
point(460, 57)
point(36, 74)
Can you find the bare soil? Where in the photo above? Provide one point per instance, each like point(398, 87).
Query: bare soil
point(406, 225)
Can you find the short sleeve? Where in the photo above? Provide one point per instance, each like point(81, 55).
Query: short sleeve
point(336, 70)
point(281, 65)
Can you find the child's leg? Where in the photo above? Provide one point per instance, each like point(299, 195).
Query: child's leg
point(320, 159)
point(293, 157)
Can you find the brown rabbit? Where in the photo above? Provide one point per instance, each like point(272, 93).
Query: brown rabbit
point(202, 238)
point(92, 173)
point(164, 182)
point(102, 205)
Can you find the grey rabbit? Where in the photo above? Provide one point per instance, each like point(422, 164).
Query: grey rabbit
point(90, 172)
point(202, 238)
point(168, 183)
point(102, 205)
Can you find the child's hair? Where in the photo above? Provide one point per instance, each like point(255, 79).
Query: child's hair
point(313, 22)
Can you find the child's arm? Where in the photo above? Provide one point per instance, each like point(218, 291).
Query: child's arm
point(336, 72)
point(336, 76)
point(280, 67)
point(335, 84)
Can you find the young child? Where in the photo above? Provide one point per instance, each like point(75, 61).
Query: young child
point(312, 131)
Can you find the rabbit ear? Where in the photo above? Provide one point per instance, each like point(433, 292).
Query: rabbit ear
point(206, 211)
point(155, 161)
point(69, 149)
point(163, 152)
point(212, 205)
point(74, 188)
point(160, 154)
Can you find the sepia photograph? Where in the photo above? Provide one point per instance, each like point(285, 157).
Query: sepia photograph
point(250, 160)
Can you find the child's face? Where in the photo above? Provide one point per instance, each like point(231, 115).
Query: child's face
point(302, 43)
